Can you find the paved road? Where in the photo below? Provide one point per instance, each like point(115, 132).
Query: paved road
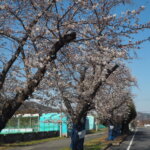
point(139, 141)
point(56, 145)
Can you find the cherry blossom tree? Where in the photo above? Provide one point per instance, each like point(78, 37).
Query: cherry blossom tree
point(31, 37)
point(88, 39)
point(115, 106)
point(80, 75)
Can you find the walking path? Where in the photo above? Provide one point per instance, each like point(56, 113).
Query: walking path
point(58, 144)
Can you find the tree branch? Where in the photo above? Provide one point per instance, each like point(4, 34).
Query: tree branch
point(20, 47)
point(10, 107)
point(100, 82)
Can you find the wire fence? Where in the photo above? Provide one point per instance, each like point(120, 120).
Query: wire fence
point(21, 125)
point(35, 123)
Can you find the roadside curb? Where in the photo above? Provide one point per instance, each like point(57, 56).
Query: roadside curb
point(114, 143)
point(109, 145)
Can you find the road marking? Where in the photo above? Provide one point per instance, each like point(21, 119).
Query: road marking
point(128, 148)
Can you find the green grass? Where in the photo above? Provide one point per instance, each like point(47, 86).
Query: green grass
point(96, 144)
point(94, 131)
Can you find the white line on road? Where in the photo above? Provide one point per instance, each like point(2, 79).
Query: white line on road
point(128, 148)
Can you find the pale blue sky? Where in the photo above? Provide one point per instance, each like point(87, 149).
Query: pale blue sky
point(140, 68)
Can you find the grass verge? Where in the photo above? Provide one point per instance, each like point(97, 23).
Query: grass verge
point(100, 143)
point(96, 144)
point(4, 146)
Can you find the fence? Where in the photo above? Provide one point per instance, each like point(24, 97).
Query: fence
point(46, 122)
point(22, 124)
point(35, 123)
point(54, 122)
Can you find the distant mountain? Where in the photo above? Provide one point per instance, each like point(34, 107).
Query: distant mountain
point(143, 116)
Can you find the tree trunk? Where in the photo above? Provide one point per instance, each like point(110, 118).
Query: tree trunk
point(125, 128)
point(110, 132)
point(8, 111)
point(78, 134)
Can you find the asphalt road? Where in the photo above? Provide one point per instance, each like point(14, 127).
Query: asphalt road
point(140, 140)
point(58, 144)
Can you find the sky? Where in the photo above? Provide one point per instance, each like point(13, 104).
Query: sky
point(140, 67)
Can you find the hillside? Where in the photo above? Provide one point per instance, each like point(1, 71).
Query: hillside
point(33, 107)
point(143, 116)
